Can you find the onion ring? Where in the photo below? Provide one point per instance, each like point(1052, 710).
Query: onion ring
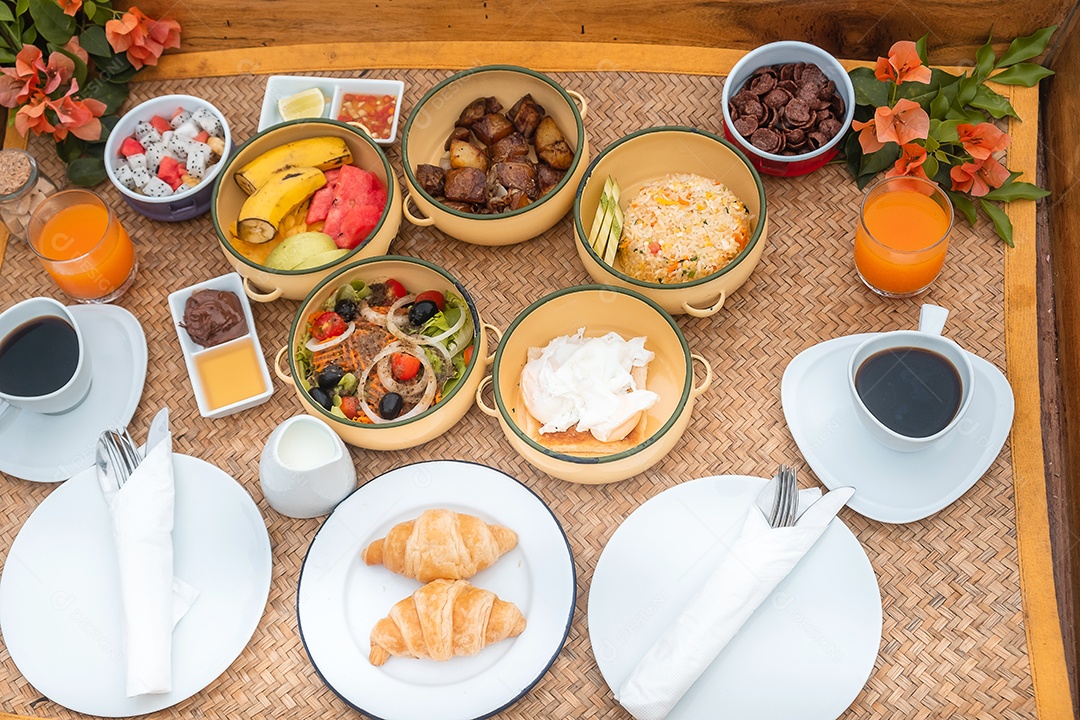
point(316, 346)
point(448, 333)
point(429, 391)
point(386, 375)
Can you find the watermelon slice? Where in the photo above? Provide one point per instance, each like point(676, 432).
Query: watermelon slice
point(169, 171)
point(320, 205)
point(160, 124)
point(332, 176)
point(130, 147)
point(202, 137)
point(358, 202)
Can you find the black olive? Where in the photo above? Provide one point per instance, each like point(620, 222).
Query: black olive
point(330, 377)
point(391, 405)
point(347, 309)
point(322, 397)
point(422, 311)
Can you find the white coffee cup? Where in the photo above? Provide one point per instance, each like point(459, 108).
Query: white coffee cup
point(928, 337)
point(305, 469)
point(74, 391)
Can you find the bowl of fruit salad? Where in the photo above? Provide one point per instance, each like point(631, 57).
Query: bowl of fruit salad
point(387, 351)
point(299, 200)
point(164, 155)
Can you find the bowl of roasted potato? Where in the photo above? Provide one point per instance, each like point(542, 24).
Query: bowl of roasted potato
point(493, 155)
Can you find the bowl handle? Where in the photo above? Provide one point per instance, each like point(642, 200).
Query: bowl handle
point(498, 339)
point(704, 385)
point(258, 296)
point(705, 312)
point(418, 221)
point(484, 407)
point(277, 367)
point(583, 104)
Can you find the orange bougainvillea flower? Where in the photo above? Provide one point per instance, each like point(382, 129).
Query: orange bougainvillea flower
point(982, 140)
point(70, 7)
point(31, 116)
point(902, 65)
point(18, 83)
point(142, 37)
point(80, 117)
point(57, 72)
point(901, 124)
point(75, 49)
point(978, 177)
point(911, 161)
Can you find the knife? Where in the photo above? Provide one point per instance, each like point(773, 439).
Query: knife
point(159, 430)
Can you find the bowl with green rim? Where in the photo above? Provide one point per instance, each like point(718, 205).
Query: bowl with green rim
point(265, 284)
point(599, 309)
point(416, 276)
point(424, 139)
point(649, 155)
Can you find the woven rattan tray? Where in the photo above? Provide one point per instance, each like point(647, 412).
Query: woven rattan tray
point(954, 636)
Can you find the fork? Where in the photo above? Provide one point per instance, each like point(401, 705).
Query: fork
point(790, 510)
point(781, 498)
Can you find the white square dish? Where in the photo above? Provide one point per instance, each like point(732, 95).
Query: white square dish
point(333, 89)
point(282, 86)
point(230, 282)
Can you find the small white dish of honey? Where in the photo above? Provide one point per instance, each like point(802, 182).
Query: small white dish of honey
point(221, 348)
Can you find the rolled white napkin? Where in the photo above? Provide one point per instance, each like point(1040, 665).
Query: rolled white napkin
point(758, 560)
point(153, 600)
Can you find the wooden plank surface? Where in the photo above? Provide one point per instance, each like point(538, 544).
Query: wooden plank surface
point(1062, 160)
point(847, 28)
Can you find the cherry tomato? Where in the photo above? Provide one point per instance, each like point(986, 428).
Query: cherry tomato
point(434, 296)
point(350, 406)
point(467, 355)
point(395, 290)
point(404, 366)
point(327, 325)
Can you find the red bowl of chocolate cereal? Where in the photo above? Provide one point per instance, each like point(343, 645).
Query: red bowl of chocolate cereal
point(787, 105)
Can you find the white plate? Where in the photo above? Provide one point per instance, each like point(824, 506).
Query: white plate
point(52, 448)
point(60, 608)
point(282, 86)
point(890, 486)
point(340, 598)
point(805, 653)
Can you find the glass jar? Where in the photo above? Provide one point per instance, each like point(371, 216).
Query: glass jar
point(22, 188)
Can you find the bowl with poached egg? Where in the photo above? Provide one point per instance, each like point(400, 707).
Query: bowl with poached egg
point(593, 384)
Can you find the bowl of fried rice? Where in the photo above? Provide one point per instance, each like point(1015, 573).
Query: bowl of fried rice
point(693, 221)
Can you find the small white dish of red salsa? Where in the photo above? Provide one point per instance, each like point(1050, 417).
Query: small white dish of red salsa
point(373, 103)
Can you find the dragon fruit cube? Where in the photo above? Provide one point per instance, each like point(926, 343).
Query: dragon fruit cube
point(157, 188)
point(167, 136)
point(146, 133)
point(207, 121)
point(198, 161)
point(154, 154)
point(180, 118)
point(179, 145)
point(141, 177)
point(137, 161)
point(125, 176)
point(188, 129)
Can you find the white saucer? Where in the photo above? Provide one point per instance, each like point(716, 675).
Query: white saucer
point(60, 591)
point(805, 653)
point(52, 448)
point(340, 599)
point(890, 486)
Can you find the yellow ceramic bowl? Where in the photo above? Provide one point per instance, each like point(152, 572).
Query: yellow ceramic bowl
point(228, 199)
point(432, 120)
point(599, 309)
point(417, 276)
point(649, 155)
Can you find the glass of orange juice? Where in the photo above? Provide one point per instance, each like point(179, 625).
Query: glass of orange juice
point(903, 235)
point(83, 246)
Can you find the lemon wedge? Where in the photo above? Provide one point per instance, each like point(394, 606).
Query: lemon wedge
point(308, 103)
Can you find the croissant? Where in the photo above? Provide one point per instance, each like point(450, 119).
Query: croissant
point(440, 544)
point(444, 619)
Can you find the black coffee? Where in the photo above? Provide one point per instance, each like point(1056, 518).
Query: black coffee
point(38, 357)
point(913, 392)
